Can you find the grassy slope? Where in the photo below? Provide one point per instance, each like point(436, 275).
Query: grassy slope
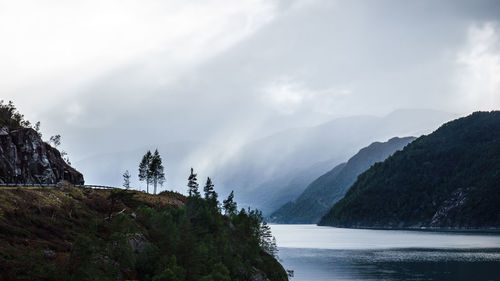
point(35, 220)
point(40, 226)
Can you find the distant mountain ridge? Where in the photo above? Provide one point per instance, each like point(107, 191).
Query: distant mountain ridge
point(450, 178)
point(268, 171)
point(322, 193)
point(263, 169)
point(294, 183)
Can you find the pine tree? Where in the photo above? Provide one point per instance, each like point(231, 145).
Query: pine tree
point(267, 240)
point(156, 170)
point(229, 205)
point(193, 185)
point(210, 194)
point(208, 189)
point(220, 272)
point(37, 129)
point(126, 179)
point(55, 140)
point(144, 172)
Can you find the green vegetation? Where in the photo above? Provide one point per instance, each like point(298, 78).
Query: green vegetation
point(193, 185)
point(12, 119)
point(126, 179)
point(322, 193)
point(151, 170)
point(450, 178)
point(85, 234)
point(144, 171)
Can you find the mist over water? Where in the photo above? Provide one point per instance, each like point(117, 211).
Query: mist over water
point(327, 253)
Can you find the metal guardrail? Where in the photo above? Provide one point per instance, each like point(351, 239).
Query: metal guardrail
point(54, 185)
point(26, 185)
point(96, 186)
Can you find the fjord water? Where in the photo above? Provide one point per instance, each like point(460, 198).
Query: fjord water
point(328, 253)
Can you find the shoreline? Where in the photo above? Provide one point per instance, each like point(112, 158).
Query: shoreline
point(492, 230)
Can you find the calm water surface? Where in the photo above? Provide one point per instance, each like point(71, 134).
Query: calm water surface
point(327, 253)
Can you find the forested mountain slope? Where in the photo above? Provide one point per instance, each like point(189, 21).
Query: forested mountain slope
point(71, 233)
point(326, 190)
point(450, 178)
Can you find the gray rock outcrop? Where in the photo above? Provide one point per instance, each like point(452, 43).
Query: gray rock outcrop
point(26, 159)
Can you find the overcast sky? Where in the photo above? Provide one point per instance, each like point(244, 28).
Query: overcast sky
point(124, 74)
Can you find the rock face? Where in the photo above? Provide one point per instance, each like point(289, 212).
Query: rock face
point(26, 159)
point(258, 276)
point(450, 208)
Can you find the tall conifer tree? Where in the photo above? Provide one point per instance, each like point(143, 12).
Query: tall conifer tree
point(156, 170)
point(208, 189)
point(193, 185)
point(144, 172)
point(210, 194)
point(267, 240)
point(229, 205)
point(126, 179)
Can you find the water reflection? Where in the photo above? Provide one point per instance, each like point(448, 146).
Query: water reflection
point(319, 253)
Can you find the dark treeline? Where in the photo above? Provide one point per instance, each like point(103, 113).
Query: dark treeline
point(449, 178)
point(132, 235)
point(194, 242)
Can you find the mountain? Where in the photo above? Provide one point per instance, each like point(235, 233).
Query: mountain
point(449, 178)
point(269, 171)
point(322, 193)
point(265, 167)
point(71, 233)
point(294, 183)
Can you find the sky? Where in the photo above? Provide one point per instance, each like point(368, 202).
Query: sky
point(122, 75)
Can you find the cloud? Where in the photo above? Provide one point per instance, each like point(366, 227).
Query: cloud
point(478, 75)
point(288, 96)
point(61, 46)
point(117, 75)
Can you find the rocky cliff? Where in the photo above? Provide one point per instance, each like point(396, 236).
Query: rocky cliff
point(26, 159)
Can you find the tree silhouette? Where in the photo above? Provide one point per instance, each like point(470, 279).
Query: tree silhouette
point(267, 240)
point(126, 179)
point(156, 170)
point(210, 194)
point(209, 189)
point(193, 185)
point(144, 172)
point(229, 205)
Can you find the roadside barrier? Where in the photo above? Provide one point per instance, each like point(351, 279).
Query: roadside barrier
point(54, 185)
